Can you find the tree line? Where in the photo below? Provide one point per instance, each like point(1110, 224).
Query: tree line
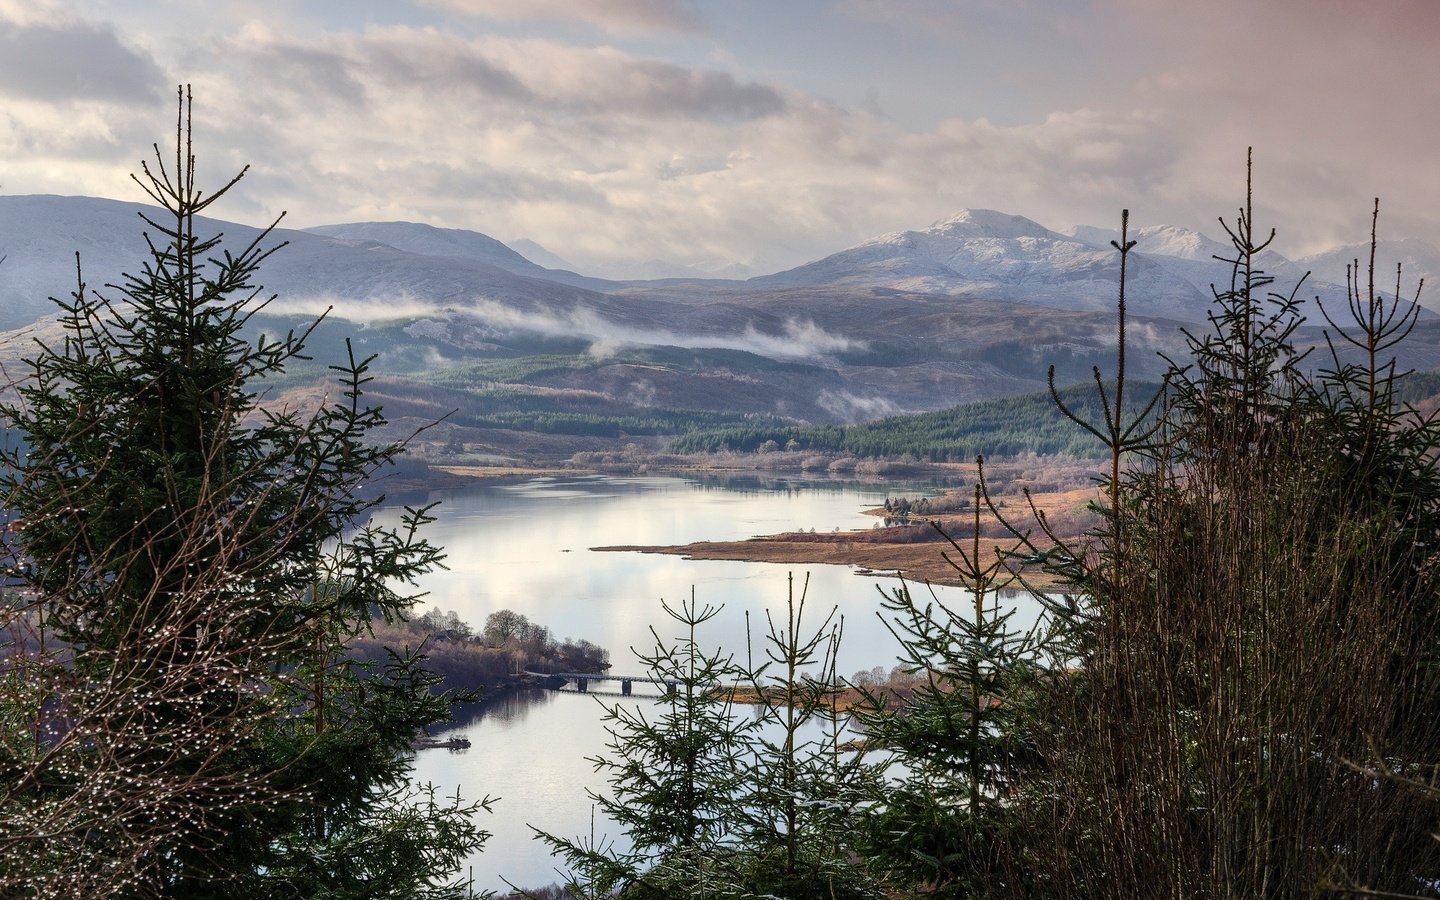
point(497, 655)
point(1006, 427)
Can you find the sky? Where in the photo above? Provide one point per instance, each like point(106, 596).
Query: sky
point(757, 134)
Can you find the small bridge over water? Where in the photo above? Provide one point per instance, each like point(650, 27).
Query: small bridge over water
point(627, 682)
point(738, 692)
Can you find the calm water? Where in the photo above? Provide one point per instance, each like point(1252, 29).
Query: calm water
point(526, 547)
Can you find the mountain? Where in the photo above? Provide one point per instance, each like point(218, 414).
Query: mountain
point(543, 361)
point(539, 255)
point(1418, 260)
point(40, 237)
point(1201, 261)
point(461, 322)
point(453, 243)
point(989, 254)
point(41, 234)
point(997, 256)
point(1156, 240)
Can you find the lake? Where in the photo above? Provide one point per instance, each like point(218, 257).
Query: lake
point(525, 547)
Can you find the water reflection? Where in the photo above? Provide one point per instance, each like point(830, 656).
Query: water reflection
point(531, 749)
point(509, 709)
point(528, 750)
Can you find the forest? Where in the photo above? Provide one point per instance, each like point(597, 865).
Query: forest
point(1237, 693)
point(1011, 426)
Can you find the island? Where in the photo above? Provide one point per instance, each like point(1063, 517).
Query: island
point(911, 536)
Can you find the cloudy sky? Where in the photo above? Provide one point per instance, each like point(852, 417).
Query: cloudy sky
point(763, 133)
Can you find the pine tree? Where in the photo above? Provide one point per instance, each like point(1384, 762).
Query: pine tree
point(718, 800)
point(674, 778)
point(193, 563)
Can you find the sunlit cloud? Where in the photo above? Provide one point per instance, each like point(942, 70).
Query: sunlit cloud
point(621, 16)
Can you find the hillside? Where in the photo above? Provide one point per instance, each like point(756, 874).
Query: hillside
point(1006, 427)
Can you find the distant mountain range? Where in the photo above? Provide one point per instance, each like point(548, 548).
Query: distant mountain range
point(977, 253)
point(974, 306)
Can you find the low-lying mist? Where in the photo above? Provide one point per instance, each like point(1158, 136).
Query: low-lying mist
point(798, 339)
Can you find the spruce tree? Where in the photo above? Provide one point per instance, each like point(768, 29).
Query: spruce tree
point(796, 817)
point(674, 778)
point(183, 721)
point(960, 746)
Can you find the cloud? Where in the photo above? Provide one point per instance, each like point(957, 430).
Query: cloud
point(500, 135)
point(619, 16)
point(368, 311)
point(1335, 100)
point(314, 70)
point(425, 60)
point(72, 60)
point(434, 79)
point(799, 340)
point(848, 407)
point(609, 81)
point(796, 340)
point(810, 339)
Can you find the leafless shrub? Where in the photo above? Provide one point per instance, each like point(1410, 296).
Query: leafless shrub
point(1259, 609)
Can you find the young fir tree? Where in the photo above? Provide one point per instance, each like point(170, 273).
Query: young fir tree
point(182, 723)
point(721, 800)
point(796, 817)
point(946, 823)
point(674, 778)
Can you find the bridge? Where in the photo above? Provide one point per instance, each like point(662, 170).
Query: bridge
point(738, 692)
point(627, 682)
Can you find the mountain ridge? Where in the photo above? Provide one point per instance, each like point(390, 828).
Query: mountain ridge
point(977, 305)
point(981, 253)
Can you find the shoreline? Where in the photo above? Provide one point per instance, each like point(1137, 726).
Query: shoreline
point(915, 563)
point(845, 469)
point(505, 474)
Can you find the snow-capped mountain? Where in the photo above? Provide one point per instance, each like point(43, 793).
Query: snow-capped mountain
point(977, 305)
point(1418, 260)
point(975, 255)
point(1156, 240)
point(1201, 260)
point(993, 255)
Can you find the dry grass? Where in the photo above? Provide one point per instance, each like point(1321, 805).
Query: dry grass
point(911, 551)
